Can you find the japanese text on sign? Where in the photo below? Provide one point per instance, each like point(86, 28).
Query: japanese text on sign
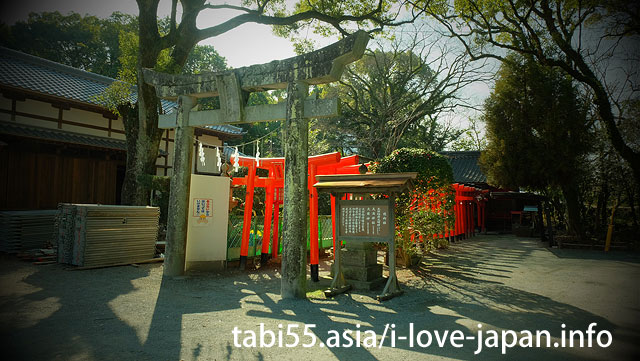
point(364, 220)
point(202, 209)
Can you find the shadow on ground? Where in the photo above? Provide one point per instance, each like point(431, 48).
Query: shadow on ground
point(621, 256)
point(136, 314)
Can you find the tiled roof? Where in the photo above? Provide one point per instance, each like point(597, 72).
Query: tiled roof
point(229, 151)
point(20, 70)
point(225, 129)
point(466, 168)
point(28, 72)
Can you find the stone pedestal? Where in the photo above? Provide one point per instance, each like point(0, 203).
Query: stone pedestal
point(360, 266)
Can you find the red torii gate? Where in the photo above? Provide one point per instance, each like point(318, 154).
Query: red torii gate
point(274, 185)
point(330, 163)
point(465, 198)
point(463, 210)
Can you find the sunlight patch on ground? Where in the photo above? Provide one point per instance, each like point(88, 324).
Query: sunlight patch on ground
point(439, 310)
point(289, 312)
point(139, 321)
point(341, 313)
point(352, 321)
point(379, 308)
point(319, 294)
point(17, 285)
point(45, 308)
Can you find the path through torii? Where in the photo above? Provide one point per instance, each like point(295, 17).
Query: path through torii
point(233, 88)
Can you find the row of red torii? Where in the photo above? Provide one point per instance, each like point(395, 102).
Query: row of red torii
point(466, 199)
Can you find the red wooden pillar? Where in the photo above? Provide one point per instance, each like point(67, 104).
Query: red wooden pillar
point(458, 212)
point(467, 229)
point(465, 223)
point(454, 229)
point(313, 227)
point(268, 211)
point(248, 208)
point(479, 204)
point(469, 219)
point(276, 225)
point(474, 207)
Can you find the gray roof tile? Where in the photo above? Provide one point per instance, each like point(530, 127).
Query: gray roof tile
point(23, 71)
point(466, 168)
point(40, 75)
point(226, 129)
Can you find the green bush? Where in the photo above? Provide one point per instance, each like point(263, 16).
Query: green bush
point(432, 199)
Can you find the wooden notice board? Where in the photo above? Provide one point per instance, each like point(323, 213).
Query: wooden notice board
point(365, 220)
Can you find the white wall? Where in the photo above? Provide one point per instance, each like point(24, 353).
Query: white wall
point(207, 239)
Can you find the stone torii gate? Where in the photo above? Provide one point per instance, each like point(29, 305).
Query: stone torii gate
point(233, 88)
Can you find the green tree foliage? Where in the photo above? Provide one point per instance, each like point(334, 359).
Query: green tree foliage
point(393, 98)
point(538, 132)
point(427, 209)
point(434, 170)
point(595, 42)
point(84, 42)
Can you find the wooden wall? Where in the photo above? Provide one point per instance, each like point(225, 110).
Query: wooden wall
point(33, 176)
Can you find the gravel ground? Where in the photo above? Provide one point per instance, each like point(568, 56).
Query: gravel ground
point(501, 282)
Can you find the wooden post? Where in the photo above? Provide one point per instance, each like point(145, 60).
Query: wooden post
point(392, 288)
point(333, 223)
point(338, 284)
point(294, 229)
point(180, 186)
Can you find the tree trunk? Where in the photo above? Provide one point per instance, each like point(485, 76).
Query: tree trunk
point(624, 150)
point(143, 142)
point(130, 122)
point(143, 135)
point(296, 197)
point(570, 193)
point(601, 208)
